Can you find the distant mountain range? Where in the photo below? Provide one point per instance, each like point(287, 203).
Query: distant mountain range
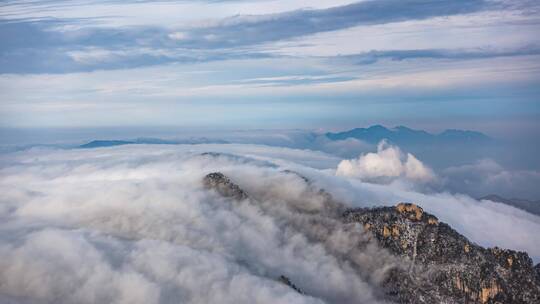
point(403, 135)
point(150, 141)
point(530, 206)
point(105, 143)
point(399, 135)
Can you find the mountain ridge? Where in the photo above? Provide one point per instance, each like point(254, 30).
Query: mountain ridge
point(405, 135)
point(149, 141)
point(437, 264)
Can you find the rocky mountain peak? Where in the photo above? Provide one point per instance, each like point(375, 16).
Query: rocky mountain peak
point(438, 265)
point(224, 186)
point(443, 265)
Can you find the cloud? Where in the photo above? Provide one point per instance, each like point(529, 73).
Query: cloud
point(133, 224)
point(90, 229)
point(62, 266)
point(92, 56)
point(178, 36)
point(47, 42)
point(253, 29)
point(386, 165)
point(349, 147)
point(46, 49)
point(439, 54)
point(486, 176)
point(242, 30)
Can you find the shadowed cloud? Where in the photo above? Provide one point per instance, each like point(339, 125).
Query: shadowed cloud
point(34, 45)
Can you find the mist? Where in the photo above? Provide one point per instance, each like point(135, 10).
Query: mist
point(135, 224)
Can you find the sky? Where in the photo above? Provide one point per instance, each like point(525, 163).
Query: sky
point(468, 64)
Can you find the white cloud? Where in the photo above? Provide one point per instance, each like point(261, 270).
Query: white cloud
point(133, 224)
point(416, 170)
point(91, 225)
point(178, 36)
point(387, 164)
point(63, 266)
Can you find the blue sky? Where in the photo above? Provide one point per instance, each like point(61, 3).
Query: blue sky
point(271, 64)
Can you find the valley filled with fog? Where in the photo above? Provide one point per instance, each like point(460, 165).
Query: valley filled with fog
point(134, 224)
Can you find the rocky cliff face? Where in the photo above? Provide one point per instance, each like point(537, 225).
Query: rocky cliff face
point(435, 263)
point(444, 266)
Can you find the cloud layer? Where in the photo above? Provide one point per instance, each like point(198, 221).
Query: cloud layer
point(90, 39)
point(133, 224)
point(488, 176)
point(110, 227)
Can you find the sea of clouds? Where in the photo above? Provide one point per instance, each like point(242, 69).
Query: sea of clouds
point(134, 224)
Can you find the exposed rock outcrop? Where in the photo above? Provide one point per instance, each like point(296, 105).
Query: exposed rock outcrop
point(224, 186)
point(283, 279)
point(438, 265)
point(444, 266)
